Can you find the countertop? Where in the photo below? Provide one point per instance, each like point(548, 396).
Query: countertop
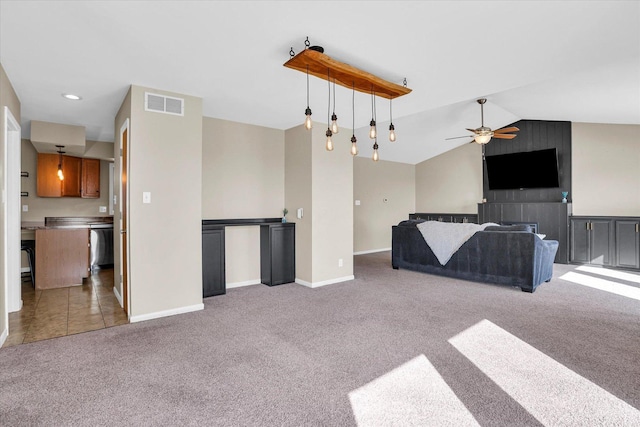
point(50, 223)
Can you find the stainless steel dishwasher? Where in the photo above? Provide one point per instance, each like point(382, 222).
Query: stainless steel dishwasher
point(101, 236)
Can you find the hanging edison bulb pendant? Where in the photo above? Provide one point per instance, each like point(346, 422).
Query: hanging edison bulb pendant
point(354, 146)
point(329, 145)
point(307, 121)
point(372, 130)
point(60, 174)
point(392, 133)
point(334, 123)
point(375, 152)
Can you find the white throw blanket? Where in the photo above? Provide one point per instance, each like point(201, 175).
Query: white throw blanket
point(445, 238)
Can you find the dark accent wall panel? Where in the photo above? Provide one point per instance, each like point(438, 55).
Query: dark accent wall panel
point(533, 135)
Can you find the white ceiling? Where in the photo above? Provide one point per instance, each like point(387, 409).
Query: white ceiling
point(562, 60)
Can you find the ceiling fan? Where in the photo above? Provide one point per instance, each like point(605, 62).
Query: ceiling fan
point(483, 134)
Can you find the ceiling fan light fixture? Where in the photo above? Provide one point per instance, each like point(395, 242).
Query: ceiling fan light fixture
point(483, 139)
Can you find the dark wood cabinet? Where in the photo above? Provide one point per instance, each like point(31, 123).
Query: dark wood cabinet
point(277, 253)
point(552, 219)
point(90, 178)
point(81, 176)
point(213, 272)
point(627, 244)
point(592, 241)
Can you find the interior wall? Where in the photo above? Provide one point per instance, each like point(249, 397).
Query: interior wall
point(165, 235)
point(8, 98)
point(450, 182)
point(298, 194)
point(332, 199)
point(40, 207)
point(606, 169)
point(242, 177)
point(387, 194)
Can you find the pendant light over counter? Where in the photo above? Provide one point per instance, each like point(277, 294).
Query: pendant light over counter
point(312, 60)
point(60, 153)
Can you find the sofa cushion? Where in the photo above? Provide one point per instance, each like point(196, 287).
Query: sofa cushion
point(518, 227)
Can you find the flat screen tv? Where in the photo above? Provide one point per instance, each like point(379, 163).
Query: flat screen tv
point(532, 169)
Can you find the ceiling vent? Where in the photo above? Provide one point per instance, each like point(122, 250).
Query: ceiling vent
point(163, 104)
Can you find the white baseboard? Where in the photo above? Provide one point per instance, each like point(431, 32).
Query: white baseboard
point(118, 296)
point(3, 336)
point(166, 313)
point(372, 251)
point(245, 283)
point(325, 282)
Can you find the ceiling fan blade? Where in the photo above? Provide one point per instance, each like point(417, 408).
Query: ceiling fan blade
point(458, 137)
point(503, 136)
point(471, 130)
point(505, 130)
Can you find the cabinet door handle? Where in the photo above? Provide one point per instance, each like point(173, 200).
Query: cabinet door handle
point(637, 224)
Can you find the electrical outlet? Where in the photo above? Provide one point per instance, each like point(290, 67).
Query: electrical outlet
point(102, 209)
point(357, 202)
point(25, 208)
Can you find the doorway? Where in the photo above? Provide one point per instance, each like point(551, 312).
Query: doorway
point(11, 201)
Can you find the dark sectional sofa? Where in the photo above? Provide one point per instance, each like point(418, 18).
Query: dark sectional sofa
point(507, 255)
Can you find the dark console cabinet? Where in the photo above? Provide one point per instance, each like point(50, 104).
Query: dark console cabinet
point(552, 220)
point(591, 241)
point(606, 241)
point(213, 274)
point(277, 253)
point(628, 243)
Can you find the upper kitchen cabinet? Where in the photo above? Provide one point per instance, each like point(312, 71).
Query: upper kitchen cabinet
point(81, 177)
point(91, 178)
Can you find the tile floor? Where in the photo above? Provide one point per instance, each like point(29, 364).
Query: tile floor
point(58, 312)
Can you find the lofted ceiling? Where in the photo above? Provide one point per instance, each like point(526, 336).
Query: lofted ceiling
point(562, 60)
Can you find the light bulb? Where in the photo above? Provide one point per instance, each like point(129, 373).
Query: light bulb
point(334, 124)
point(483, 139)
point(392, 133)
point(354, 146)
point(307, 121)
point(372, 131)
point(329, 145)
point(375, 157)
point(60, 175)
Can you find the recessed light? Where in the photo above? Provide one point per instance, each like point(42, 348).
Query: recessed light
point(72, 96)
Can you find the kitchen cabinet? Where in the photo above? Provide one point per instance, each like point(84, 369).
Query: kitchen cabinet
point(62, 257)
point(90, 178)
point(592, 241)
point(81, 176)
point(277, 253)
point(213, 269)
point(627, 243)
point(71, 184)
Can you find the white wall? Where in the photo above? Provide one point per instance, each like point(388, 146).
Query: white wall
point(386, 191)
point(165, 236)
point(450, 182)
point(605, 169)
point(242, 177)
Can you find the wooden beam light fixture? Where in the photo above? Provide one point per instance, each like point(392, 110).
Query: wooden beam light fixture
point(313, 61)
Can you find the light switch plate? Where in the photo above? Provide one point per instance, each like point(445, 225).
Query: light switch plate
point(300, 213)
point(146, 197)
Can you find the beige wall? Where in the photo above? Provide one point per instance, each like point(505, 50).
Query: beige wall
point(386, 191)
point(8, 98)
point(450, 182)
point(242, 177)
point(332, 199)
point(605, 169)
point(165, 243)
point(40, 207)
point(297, 193)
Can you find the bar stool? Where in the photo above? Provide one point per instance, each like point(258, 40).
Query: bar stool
point(29, 246)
